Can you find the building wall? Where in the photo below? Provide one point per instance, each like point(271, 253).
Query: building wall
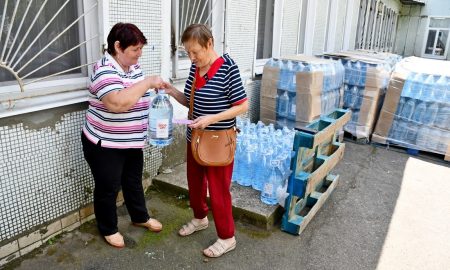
point(240, 33)
point(340, 25)
point(45, 183)
point(412, 26)
point(290, 24)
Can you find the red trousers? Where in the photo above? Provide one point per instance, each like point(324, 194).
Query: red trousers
point(218, 182)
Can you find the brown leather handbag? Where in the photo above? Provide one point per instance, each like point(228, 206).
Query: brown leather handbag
point(211, 147)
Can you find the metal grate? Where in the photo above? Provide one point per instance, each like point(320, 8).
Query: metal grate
point(147, 16)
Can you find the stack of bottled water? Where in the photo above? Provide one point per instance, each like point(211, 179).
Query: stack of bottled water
point(422, 119)
point(286, 100)
point(262, 159)
point(355, 79)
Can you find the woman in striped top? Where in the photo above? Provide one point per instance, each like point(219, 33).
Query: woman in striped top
point(219, 98)
point(116, 131)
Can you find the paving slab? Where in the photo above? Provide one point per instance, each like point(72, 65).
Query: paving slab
point(247, 205)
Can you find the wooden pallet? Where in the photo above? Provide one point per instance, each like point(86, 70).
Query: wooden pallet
point(303, 209)
point(317, 151)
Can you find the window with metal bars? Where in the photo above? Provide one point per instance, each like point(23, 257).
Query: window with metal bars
point(185, 13)
point(376, 26)
point(44, 41)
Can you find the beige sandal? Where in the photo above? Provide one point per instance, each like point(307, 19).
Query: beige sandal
point(115, 240)
point(190, 228)
point(219, 248)
point(152, 225)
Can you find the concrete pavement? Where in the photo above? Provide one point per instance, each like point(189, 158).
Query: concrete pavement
point(365, 224)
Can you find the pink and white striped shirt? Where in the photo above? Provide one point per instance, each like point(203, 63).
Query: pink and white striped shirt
point(116, 130)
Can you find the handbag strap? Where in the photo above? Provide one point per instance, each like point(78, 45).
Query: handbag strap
point(191, 101)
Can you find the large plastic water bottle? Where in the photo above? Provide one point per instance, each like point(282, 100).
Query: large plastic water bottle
point(419, 112)
point(354, 97)
point(285, 75)
point(440, 89)
point(430, 114)
point(348, 72)
point(395, 133)
point(161, 113)
point(408, 109)
point(400, 105)
point(407, 90)
point(362, 74)
point(275, 179)
point(443, 117)
point(417, 86)
point(433, 140)
point(423, 135)
point(356, 73)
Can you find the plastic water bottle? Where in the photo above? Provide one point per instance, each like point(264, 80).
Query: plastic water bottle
point(422, 137)
point(269, 192)
point(356, 73)
point(161, 113)
point(440, 89)
point(433, 140)
point(408, 109)
point(400, 105)
point(430, 114)
point(443, 117)
point(407, 90)
point(354, 97)
point(362, 74)
point(292, 106)
point(347, 96)
point(348, 72)
point(283, 105)
point(249, 165)
point(419, 112)
point(263, 169)
point(417, 85)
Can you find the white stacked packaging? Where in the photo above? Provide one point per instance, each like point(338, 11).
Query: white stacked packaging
point(416, 111)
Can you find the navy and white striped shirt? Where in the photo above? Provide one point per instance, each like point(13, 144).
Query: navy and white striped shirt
point(221, 91)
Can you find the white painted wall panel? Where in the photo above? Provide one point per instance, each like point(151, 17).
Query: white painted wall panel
point(289, 35)
point(240, 33)
point(320, 27)
point(340, 24)
point(148, 18)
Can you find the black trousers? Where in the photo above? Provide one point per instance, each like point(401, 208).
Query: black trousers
point(112, 169)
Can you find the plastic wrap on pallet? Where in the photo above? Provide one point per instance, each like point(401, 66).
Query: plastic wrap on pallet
point(416, 111)
point(299, 89)
point(366, 78)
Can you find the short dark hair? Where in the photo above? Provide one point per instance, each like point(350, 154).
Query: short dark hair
point(198, 32)
point(127, 34)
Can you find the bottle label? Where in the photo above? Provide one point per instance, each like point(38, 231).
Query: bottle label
point(162, 128)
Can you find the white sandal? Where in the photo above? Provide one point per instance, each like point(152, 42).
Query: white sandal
point(219, 248)
point(190, 228)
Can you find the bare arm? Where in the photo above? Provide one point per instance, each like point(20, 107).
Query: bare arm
point(175, 93)
point(206, 120)
point(125, 99)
